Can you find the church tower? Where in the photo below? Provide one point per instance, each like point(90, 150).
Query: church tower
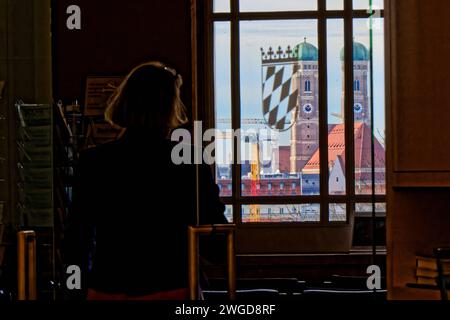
point(361, 107)
point(305, 131)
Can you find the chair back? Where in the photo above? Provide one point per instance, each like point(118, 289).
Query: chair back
point(352, 282)
point(287, 286)
point(253, 294)
point(443, 280)
point(343, 294)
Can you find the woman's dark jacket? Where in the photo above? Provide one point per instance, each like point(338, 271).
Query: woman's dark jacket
point(131, 210)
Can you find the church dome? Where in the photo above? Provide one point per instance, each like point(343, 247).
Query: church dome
point(360, 52)
point(306, 52)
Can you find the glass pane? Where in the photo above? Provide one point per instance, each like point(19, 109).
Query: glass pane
point(362, 84)
point(366, 4)
point(222, 101)
point(281, 213)
point(335, 5)
point(229, 213)
point(221, 6)
point(338, 212)
point(365, 209)
point(362, 234)
point(280, 5)
point(336, 122)
point(279, 108)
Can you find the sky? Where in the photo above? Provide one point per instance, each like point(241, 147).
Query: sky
point(264, 34)
point(285, 5)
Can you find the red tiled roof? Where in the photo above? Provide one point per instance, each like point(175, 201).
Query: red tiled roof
point(336, 149)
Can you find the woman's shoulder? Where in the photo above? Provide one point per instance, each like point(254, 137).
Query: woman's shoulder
point(98, 152)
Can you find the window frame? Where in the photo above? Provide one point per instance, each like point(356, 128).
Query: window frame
point(322, 15)
point(307, 86)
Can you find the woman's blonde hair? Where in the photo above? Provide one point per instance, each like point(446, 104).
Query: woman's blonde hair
point(149, 97)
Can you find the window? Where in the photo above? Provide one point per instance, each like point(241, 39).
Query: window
point(221, 6)
point(265, 56)
point(338, 212)
point(307, 86)
point(335, 5)
point(229, 213)
point(362, 234)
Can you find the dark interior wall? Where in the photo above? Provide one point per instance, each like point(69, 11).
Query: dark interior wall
point(114, 37)
point(25, 66)
point(418, 167)
point(420, 223)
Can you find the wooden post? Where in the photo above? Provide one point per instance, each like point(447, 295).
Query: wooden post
point(26, 265)
point(193, 263)
point(231, 265)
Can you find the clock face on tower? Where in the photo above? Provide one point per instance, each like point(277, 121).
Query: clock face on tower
point(308, 108)
point(358, 108)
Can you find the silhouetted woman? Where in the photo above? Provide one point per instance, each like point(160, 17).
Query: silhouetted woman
point(131, 205)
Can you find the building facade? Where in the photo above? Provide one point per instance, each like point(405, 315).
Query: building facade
point(305, 131)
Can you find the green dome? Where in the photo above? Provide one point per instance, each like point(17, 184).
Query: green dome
point(306, 52)
point(360, 52)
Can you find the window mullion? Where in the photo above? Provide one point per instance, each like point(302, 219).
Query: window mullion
point(235, 110)
point(349, 100)
point(323, 112)
point(208, 41)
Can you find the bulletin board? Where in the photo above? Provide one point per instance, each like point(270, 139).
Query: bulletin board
point(98, 91)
